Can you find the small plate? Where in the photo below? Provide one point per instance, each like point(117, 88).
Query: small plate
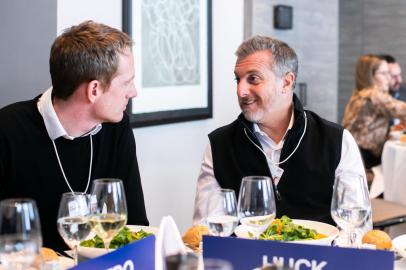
point(399, 244)
point(90, 253)
point(330, 231)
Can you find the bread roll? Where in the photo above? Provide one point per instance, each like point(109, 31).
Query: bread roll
point(378, 238)
point(194, 235)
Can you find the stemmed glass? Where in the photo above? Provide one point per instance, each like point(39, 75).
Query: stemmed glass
point(350, 205)
point(222, 212)
point(256, 204)
point(73, 220)
point(20, 233)
point(109, 208)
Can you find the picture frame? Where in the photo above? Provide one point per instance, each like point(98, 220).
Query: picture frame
point(173, 60)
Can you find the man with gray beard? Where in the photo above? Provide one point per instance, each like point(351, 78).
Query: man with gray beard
point(275, 137)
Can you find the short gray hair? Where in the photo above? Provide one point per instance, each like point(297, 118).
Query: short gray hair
point(284, 58)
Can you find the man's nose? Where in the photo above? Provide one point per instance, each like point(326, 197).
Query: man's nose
point(242, 89)
point(133, 93)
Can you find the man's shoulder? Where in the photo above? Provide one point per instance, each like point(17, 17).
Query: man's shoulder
point(16, 110)
point(226, 129)
point(324, 123)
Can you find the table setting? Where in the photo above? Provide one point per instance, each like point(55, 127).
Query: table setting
point(94, 227)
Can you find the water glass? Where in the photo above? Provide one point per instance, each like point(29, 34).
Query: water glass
point(222, 212)
point(350, 205)
point(20, 233)
point(256, 204)
point(73, 220)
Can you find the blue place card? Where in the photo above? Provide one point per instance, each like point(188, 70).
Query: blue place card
point(137, 255)
point(246, 254)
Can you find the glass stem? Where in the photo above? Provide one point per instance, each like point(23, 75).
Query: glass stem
point(352, 238)
point(107, 245)
point(75, 254)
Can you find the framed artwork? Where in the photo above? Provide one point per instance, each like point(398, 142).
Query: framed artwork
point(172, 51)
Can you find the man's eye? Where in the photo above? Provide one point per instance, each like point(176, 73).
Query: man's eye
point(253, 79)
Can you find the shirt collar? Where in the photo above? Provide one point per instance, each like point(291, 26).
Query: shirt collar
point(51, 120)
point(259, 132)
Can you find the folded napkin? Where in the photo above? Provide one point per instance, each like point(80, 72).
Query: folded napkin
point(168, 242)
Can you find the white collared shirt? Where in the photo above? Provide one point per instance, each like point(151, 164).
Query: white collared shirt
point(51, 120)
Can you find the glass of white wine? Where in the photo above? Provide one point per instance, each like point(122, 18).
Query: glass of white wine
point(20, 233)
point(350, 205)
point(109, 208)
point(256, 204)
point(73, 220)
point(222, 212)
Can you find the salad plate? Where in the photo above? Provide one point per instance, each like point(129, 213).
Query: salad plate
point(328, 230)
point(93, 252)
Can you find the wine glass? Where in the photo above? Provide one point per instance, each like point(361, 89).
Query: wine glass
point(20, 233)
point(350, 205)
point(256, 204)
point(222, 212)
point(109, 208)
point(73, 220)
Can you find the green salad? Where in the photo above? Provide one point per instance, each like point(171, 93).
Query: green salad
point(124, 237)
point(283, 229)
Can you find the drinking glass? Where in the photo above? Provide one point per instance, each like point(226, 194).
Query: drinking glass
point(350, 205)
point(20, 233)
point(256, 204)
point(73, 220)
point(109, 208)
point(222, 212)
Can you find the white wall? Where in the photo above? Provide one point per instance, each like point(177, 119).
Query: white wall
point(314, 37)
point(169, 156)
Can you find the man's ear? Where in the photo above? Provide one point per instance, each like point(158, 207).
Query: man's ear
point(94, 90)
point(288, 81)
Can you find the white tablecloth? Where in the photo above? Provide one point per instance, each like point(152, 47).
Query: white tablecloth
point(394, 171)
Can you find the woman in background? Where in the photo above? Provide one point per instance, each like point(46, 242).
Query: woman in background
point(371, 108)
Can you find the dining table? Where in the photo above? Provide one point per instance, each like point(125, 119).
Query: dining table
point(394, 171)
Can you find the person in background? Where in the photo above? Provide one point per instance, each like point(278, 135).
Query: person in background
point(75, 131)
point(396, 88)
point(274, 136)
point(371, 107)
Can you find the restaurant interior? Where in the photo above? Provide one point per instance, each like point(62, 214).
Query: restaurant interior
point(328, 37)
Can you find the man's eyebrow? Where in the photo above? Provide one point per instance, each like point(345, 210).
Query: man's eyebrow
point(130, 79)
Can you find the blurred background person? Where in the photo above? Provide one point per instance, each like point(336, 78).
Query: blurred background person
point(396, 88)
point(371, 108)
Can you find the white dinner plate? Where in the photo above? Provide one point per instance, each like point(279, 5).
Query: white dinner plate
point(62, 263)
point(330, 231)
point(399, 244)
point(88, 252)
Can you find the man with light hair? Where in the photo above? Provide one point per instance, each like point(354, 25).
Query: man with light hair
point(275, 137)
point(77, 130)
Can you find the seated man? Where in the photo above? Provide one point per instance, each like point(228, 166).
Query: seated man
point(75, 131)
point(274, 136)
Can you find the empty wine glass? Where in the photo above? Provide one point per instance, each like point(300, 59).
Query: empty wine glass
point(256, 204)
point(20, 233)
point(222, 212)
point(109, 208)
point(73, 220)
point(350, 205)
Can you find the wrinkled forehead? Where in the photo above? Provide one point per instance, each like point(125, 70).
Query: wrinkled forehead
point(257, 60)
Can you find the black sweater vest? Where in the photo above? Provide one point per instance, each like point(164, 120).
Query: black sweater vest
point(306, 185)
